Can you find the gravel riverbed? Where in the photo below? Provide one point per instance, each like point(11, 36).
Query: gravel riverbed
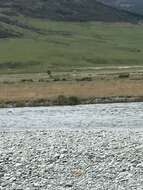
point(64, 159)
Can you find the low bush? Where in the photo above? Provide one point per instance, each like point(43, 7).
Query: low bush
point(84, 79)
point(71, 100)
point(124, 75)
point(27, 80)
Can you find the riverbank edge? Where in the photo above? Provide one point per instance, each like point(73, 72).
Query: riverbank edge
point(70, 101)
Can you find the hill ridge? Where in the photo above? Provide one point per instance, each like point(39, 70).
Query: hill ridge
point(69, 10)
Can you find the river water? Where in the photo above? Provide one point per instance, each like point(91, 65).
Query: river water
point(83, 116)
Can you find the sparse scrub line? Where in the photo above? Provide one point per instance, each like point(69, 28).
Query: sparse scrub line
point(62, 100)
point(54, 77)
point(123, 75)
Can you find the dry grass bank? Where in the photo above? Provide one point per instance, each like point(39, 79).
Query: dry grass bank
point(17, 92)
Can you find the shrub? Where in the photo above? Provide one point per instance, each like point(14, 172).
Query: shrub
point(124, 75)
point(71, 100)
point(62, 100)
point(27, 80)
point(49, 72)
point(84, 79)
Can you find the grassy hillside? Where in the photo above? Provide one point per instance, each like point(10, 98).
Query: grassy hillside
point(49, 45)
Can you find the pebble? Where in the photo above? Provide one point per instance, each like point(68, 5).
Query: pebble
point(80, 159)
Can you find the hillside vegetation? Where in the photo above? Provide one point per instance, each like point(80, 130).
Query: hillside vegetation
point(37, 36)
point(42, 45)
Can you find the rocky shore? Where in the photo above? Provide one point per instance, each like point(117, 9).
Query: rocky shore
point(88, 159)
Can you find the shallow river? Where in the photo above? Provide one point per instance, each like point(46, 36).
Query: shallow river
point(84, 116)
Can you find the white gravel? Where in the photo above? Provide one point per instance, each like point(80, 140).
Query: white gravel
point(80, 159)
point(100, 115)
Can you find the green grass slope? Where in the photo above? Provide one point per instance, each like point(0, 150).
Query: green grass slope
point(64, 46)
point(64, 10)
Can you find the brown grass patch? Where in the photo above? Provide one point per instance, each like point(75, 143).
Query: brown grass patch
point(81, 89)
